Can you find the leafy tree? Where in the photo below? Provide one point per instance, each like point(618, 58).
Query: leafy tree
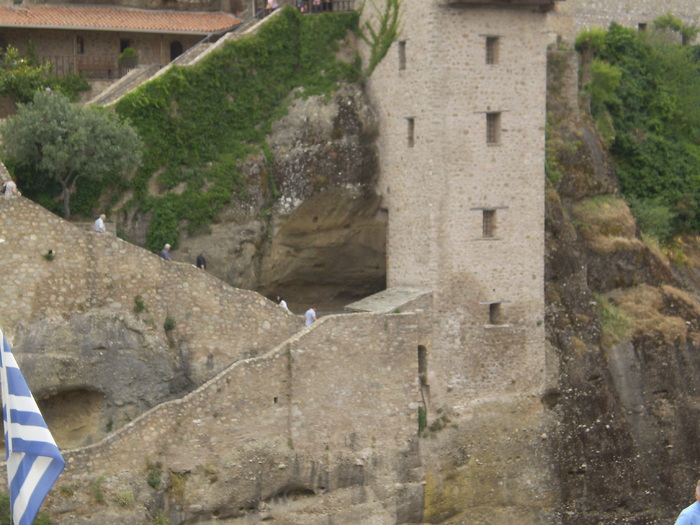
point(648, 88)
point(67, 142)
point(688, 32)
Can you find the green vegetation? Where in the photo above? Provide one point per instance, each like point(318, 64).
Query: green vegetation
point(139, 305)
point(616, 325)
point(128, 57)
point(161, 518)
point(688, 32)
point(169, 324)
point(6, 518)
point(645, 97)
point(98, 490)
point(380, 38)
point(422, 419)
point(154, 473)
point(126, 499)
point(51, 140)
point(199, 122)
point(22, 76)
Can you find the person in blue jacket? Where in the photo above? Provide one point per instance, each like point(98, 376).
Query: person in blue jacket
point(691, 515)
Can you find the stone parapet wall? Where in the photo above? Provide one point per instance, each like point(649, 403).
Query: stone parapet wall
point(215, 323)
point(572, 16)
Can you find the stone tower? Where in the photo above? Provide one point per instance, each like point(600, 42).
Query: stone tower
point(461, 99)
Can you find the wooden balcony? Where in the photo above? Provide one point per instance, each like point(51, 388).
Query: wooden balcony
point(94, 67)
point(542, 5)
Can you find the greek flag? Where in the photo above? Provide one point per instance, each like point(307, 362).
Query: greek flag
point(33, 460)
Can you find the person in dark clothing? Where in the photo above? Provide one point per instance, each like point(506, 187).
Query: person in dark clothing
point(202, 261)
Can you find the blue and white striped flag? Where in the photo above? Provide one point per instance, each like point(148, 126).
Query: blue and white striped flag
point(33, 460)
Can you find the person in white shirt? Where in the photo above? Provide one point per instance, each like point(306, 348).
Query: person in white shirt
point(100, 224)
point(309, 316)
point(10, 188)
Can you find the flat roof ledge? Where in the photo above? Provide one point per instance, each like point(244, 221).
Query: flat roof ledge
point(387, 301)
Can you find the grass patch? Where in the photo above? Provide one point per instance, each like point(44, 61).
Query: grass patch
point(616, 325)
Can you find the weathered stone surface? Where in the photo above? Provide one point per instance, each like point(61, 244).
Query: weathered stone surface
point(323, 241)
point(625, 340)
point(108, 365)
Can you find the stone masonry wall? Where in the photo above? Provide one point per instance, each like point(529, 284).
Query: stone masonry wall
point(572, 16)
point(439, 176)
point(437, 187)
point(332, 407)
point(215, 323)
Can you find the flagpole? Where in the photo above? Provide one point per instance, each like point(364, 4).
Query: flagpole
point(5, 395)
point(34, 462)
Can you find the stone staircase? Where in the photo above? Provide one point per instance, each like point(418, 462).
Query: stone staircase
point(193, 55)
point(128, 82)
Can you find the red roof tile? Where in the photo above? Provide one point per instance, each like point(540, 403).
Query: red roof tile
point(109, 18)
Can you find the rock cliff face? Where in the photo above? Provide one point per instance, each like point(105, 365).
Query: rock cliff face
point(323, 240)
point(626, 336)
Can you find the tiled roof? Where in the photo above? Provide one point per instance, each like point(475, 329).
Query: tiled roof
point(109, 18)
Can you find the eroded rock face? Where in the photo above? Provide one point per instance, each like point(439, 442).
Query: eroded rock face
point(323, 240)
point(94, 372)
point(625, 338)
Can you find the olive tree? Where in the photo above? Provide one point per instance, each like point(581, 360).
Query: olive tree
point(69, 142)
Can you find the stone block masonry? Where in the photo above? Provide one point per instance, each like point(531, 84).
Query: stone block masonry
point(333, 407)
point(94, 272)
point(572, 16)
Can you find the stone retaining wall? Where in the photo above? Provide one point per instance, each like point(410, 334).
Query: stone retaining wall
point(215, 323)
point(335, 406)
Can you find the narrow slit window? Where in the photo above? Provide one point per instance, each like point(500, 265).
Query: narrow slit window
point(410, 124)
point(402, 55)
point(493, 128)
point(489, 223)
point(80, 45)
point(495, 314)
point(492, 49)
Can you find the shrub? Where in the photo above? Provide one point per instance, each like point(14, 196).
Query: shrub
point(98, 490)
point(139, 305)
point(653, 217)
point(154, 473)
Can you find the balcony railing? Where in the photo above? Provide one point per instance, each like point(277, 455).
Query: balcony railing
point(325, 6)
point(97, 67)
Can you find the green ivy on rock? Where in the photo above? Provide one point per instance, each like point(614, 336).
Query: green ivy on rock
point(198, 122)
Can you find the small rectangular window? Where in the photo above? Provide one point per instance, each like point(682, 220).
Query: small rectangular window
point(642, 26)
point(492, 50)
point(489, 223)
point(495, 314)
point(493, 128)
point(410, 131)
point(402, 55)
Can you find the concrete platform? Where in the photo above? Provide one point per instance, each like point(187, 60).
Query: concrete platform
point(387, 301)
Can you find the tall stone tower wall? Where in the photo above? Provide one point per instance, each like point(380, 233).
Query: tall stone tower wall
point(466, 210)
point(461, 103)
